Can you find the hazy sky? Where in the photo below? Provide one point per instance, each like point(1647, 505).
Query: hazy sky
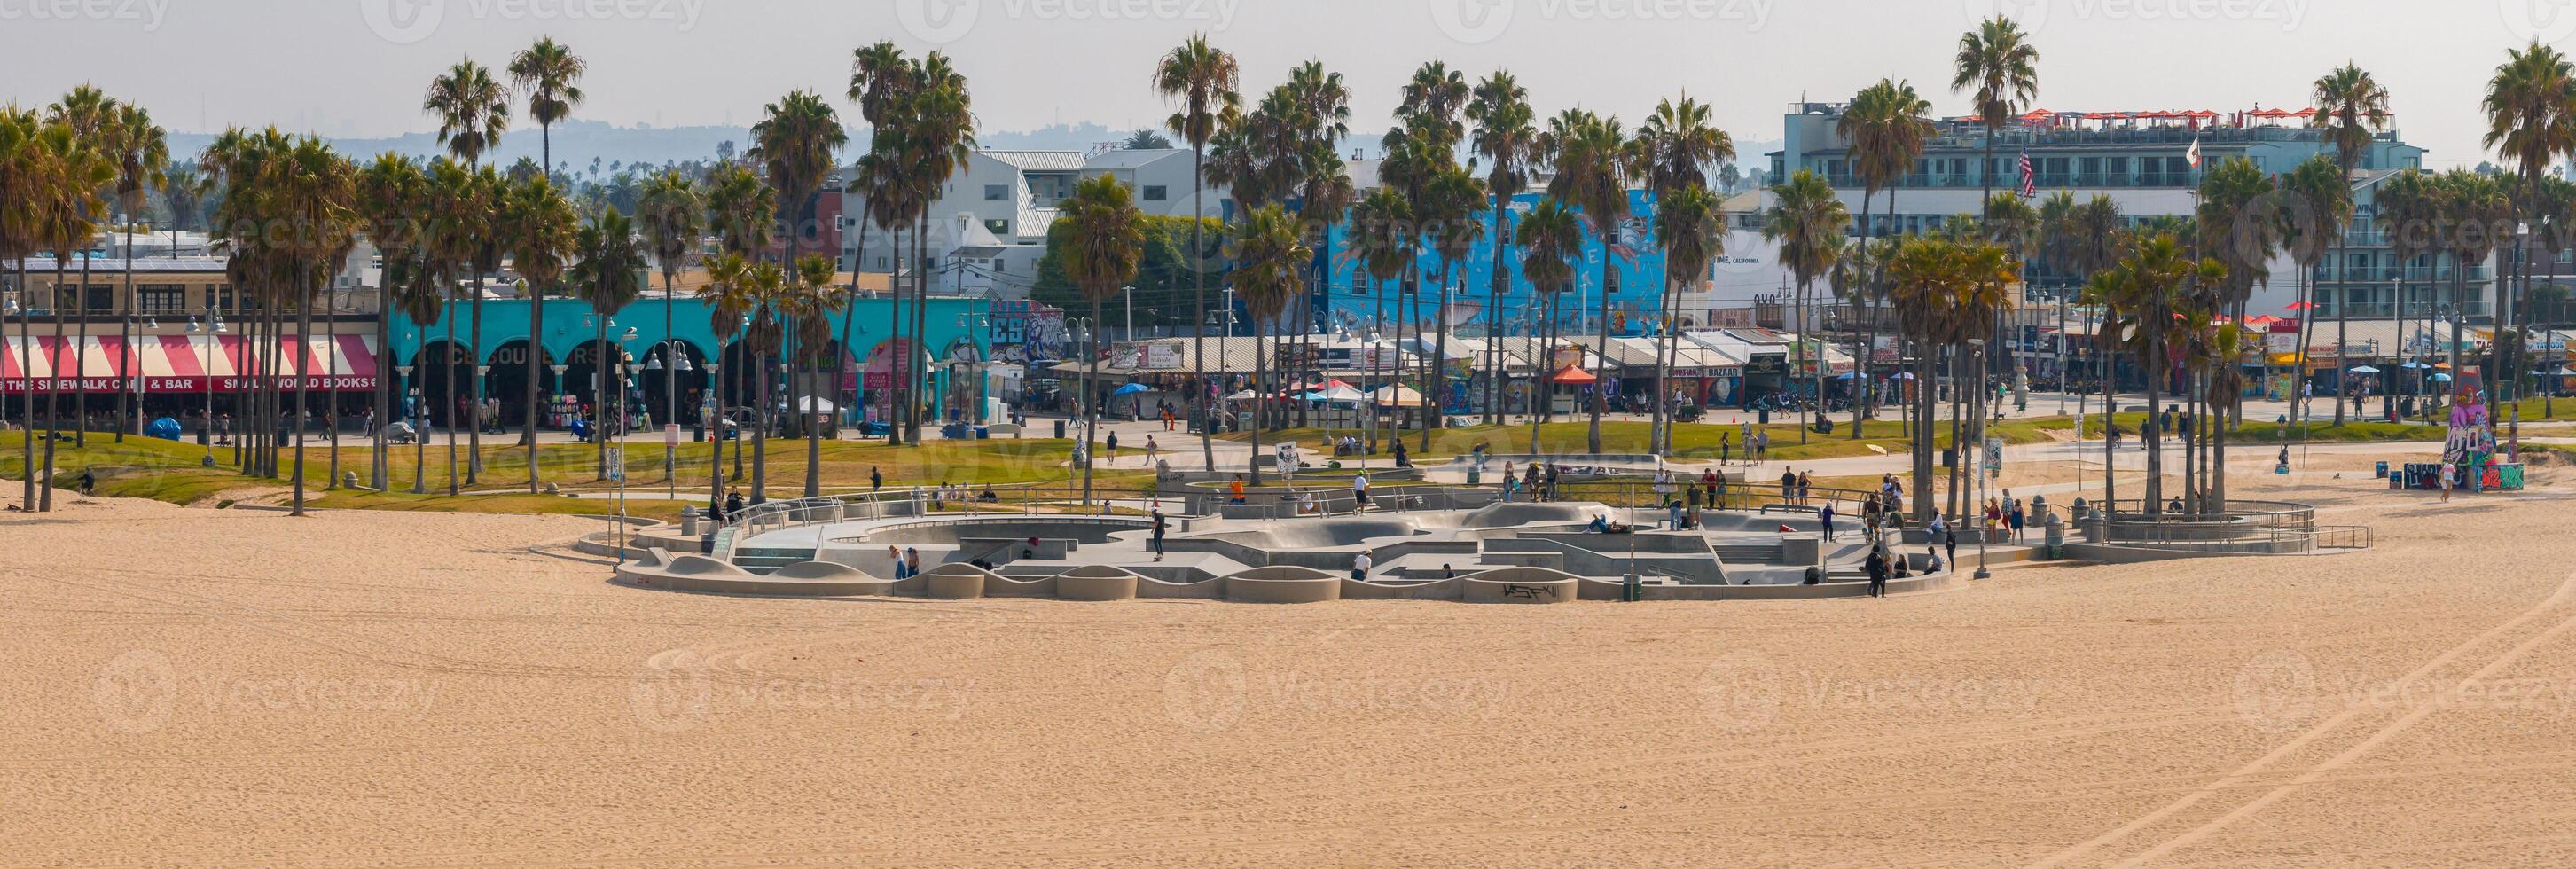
point(357, 67)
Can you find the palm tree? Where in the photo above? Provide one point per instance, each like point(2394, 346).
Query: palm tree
point(473, 109)
point(939, 137)
point(24, 179)
point(1808, 220)
point(1551, 240)
point(92, 116)
point(550, 74)
point(1592, 163)
point(1202, 80)
point(1999, 63)
point(2321, 201)
point(1267, 253)
point(316, 188)
point(62, 219)
point(2351, 107)
point(2013, 224)
point(2480, 209)
point(1506, 139)
point(1104, 244)
point(415, 292)
point(1448, 206)
point(2150, 294)
point(609, 277)
point(2531, 119)
point(1886, 129)
point(739, 207)
point(1677, 148)
point(2241, 227)
point(1943, 290)
point(728, 294)
point(388, 203)
point(542, 232)
point(1421, 148)
point(141, 152)
point(672, 217)
point(1690, 224)
point(1383, 239)
point(796, 141)
point(808, 307)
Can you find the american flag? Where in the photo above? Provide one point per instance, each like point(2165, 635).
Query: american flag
point(2029, 178)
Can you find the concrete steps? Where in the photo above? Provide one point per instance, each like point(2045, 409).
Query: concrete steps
point(766, 561)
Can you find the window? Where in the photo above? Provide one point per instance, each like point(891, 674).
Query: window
point(997, 193)
point(162, 298)
point(998, 227)
point(1156, 193)
point(99, 299)
point(222, 298)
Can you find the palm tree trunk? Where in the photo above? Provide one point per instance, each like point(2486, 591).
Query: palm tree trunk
point(920, 327)
point(814, 420)
point(53, 393)
point(1260, 397)
point(760, 419)
point(447, 379)
point(2343, 316)
point(1543, 372)
point(2110, 409)
point(303, 380)
point(125, 356)
point(376, 470)
point(716, 435)
point(1494, 370)
point(1601, 386)
point(80, 363)
point(2154, 427)
point(600, 366)
point(1438, 369)
point(474, 412)
point(536, 361)
point(27, 398)
point(1920, 403)
point(1091, 407)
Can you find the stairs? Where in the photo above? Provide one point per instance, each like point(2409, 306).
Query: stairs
point(1749, 553)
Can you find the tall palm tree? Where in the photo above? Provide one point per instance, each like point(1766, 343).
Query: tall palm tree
point(1267, 252)
point(1506, 140)
point(1999, 64)
point(2154, 308)
point(1421, 148)
point(1690, 225)
point(1807, 219)
point(939, 132)
point(1383, 239)
point(543, 234)
point(2530, 106)
point(550, 74)
point(1886, 129)
point(1551, 241)
point(672, 217)
point(2013, 224)
point(2241, 227)
point(2321, 201)
point(389, 208)
point(92, 116)
point(316, 188)
point(807, 308)
point(1448, 206)
point(24, 180)
point(141, 151)
point(1593, 164)
point(739, 208)
point(2351, 107)
point(796, 142)
point(1677, 148)
point(473, 109)
point(63, 218)
point(2480, 212)
point(1202, 80)
point(728, 294)
point(609, 276)
point(1103, 246)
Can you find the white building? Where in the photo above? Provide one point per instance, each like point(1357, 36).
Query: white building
point(990, 222)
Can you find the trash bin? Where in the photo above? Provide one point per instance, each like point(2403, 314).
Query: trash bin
point(2380, 472)
point(1059, 429)
point(1475, 476)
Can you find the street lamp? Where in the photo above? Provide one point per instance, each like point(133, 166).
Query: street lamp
point(618, 467)
point(213, 328)
point(1977, 429)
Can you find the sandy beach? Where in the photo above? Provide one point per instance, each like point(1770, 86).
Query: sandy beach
point(378, 689)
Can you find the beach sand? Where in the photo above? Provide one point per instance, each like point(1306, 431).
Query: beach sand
point(234, 687)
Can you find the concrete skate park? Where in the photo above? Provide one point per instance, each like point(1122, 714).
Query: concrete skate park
point(1423, 542)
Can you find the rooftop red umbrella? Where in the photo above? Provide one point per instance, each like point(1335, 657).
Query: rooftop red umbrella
point(2298, 306)
point(1573, 374)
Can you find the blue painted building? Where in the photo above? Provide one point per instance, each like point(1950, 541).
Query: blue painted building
point(671, 350)
point(1636, 284)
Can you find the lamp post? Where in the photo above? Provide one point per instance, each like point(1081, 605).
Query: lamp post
point(618, 465)
point(1085, 337)
point(213, 329)
point(475, 417)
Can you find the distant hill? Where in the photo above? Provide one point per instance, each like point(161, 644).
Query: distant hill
point(577, 143)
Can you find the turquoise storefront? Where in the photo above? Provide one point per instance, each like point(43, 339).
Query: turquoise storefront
point(677, 334)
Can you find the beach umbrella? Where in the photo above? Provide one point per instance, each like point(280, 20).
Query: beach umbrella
point(2364, 369)
point(2441, 377)
point(1131, 389)
point(2412, 364)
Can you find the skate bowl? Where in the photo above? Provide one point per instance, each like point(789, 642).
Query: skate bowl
point(955, 581)
point(1096, 582)
point(1438, 589)
point(1283, 584)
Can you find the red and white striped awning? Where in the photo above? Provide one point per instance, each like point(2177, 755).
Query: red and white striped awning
point(183, 363)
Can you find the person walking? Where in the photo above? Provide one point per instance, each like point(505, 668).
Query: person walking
point(1877, 566)
point(2448, 471)
point(1360, 492)
point(876, 481)
point(1725, 447)
point(1950, 540)
point(1111, 444)
point(1160, 526)
point(1826, 515)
